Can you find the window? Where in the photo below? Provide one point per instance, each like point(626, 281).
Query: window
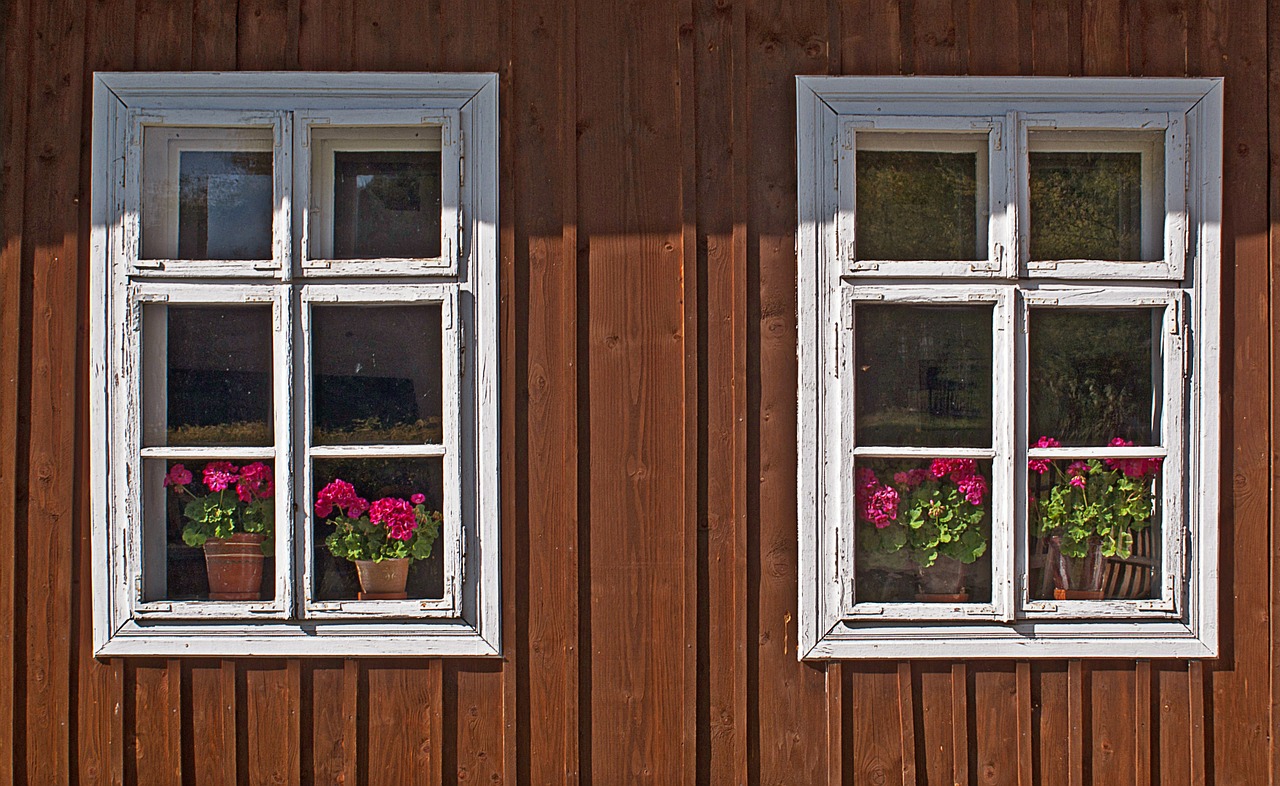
point(1007, 403)
point(294, 283)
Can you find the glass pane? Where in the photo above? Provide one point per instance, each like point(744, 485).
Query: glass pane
point(921, 203)
point(1094, 528)
point(372, 480)
point(207, 193)
point(209, 530)
point(386, 204)
point(923, 375)
point(923, 529)
point(376, 374)
point(216, 384)
point(1086, 205)
point(1095, 375)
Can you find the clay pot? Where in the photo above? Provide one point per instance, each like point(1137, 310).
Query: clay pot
point(942, 582)
point(383, 580)
point(235, 566)
point(1077, 578)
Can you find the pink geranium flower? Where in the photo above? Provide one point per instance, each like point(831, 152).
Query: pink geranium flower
point(220, 475)
point(178, 475)
point(396, 515)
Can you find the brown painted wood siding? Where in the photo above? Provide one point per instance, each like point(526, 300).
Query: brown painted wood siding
point(648, 411)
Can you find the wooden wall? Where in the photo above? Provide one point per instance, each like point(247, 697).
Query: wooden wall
point(649, 369)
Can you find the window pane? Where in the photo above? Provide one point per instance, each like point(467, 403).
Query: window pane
point(1095, 375)
point(1094, 528)
point(923, 375)
point(386, 204)
point(1096, 195)
point(921, 197)
point(376, 374)
point(207, 193)
point(188, 507)
point(923, 531)
point(215, 388)
point(374, 479)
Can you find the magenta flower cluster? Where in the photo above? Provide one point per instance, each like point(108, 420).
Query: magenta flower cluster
point(252, 481)
point(394, 513)
point(1133, 468)
point(877, 502)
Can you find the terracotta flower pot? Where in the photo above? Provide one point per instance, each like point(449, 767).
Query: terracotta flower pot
point(1077, 578)
point(235, 566)
point(384, 580)
point(942, 582)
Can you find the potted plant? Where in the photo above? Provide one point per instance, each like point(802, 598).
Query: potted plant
point(232, 523)
point(381, 538)
point(933, 516)
point(1088, 512)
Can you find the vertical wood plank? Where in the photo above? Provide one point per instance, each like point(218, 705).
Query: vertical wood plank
point(266, 35)
point(786, 698)
point(1051, 724)
point(720, 310)
point(631, 220)
point(157, 722)
point(1026, 727)
point(390, 35)
point(544, 308)
point(1200, 766)
point(403, 708)
point(1105, 29)
point(935, 40)
point(476, 721)
point(1142, 722)
point(269, 728)
point(1112, 722)
point(935, 738)
point(839, 725)
point(1076, 742)
point(960, 723)
point(333, 722)
point(51, 219)
point(326, 34)
point(1172, 754)
point(1055, 40)
point(877, 733)
point(162, 35)
point(995, 729)
point(13, 166)
point(994, 28)
point(871, 37)
point(907, 722)
point(209, 745)
point(213, 36)
point(1158, 43)
point(1240, 715)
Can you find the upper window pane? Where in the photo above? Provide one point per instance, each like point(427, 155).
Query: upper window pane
point(376, 374)
point(1094, 375)
point(921, 196)
point(923, 375)
point(207, 375)
point(377, 193)
point(1096, 196)
point(207, 193)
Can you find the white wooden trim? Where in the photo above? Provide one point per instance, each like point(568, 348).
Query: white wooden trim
point(469, 623)
point(1182, 622)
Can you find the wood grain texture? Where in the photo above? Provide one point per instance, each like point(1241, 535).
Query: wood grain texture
point(268, 726)
point(473, 744)
point(786, 699)
point(877, 724)
point(155, 718)
point(334, 744)
point(1111, 733)
point(631, 223)
point(996, 725)
point(209, 718)
point(1050, 724)
point(405, 742)
point(934, 739)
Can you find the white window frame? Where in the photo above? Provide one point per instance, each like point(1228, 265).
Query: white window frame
point(463, 280)
point(1182, 620)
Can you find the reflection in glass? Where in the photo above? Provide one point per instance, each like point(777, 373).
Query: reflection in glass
point(224, 205)
point(376, 374)
point(919, 205)
point(1094, 528)
point(386, 204)
point(1086, 206)
point(1094, 375)
point(217, 384)
point(373, 479)
point(174, 569)
point(923, 530)
point(923, 375)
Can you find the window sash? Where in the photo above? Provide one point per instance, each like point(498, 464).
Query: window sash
point(129, 193)
point(451, 532)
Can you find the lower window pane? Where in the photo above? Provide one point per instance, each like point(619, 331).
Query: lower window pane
point(209, 530)
point(1094, 528)
point(370, 508)
point(923, 530)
